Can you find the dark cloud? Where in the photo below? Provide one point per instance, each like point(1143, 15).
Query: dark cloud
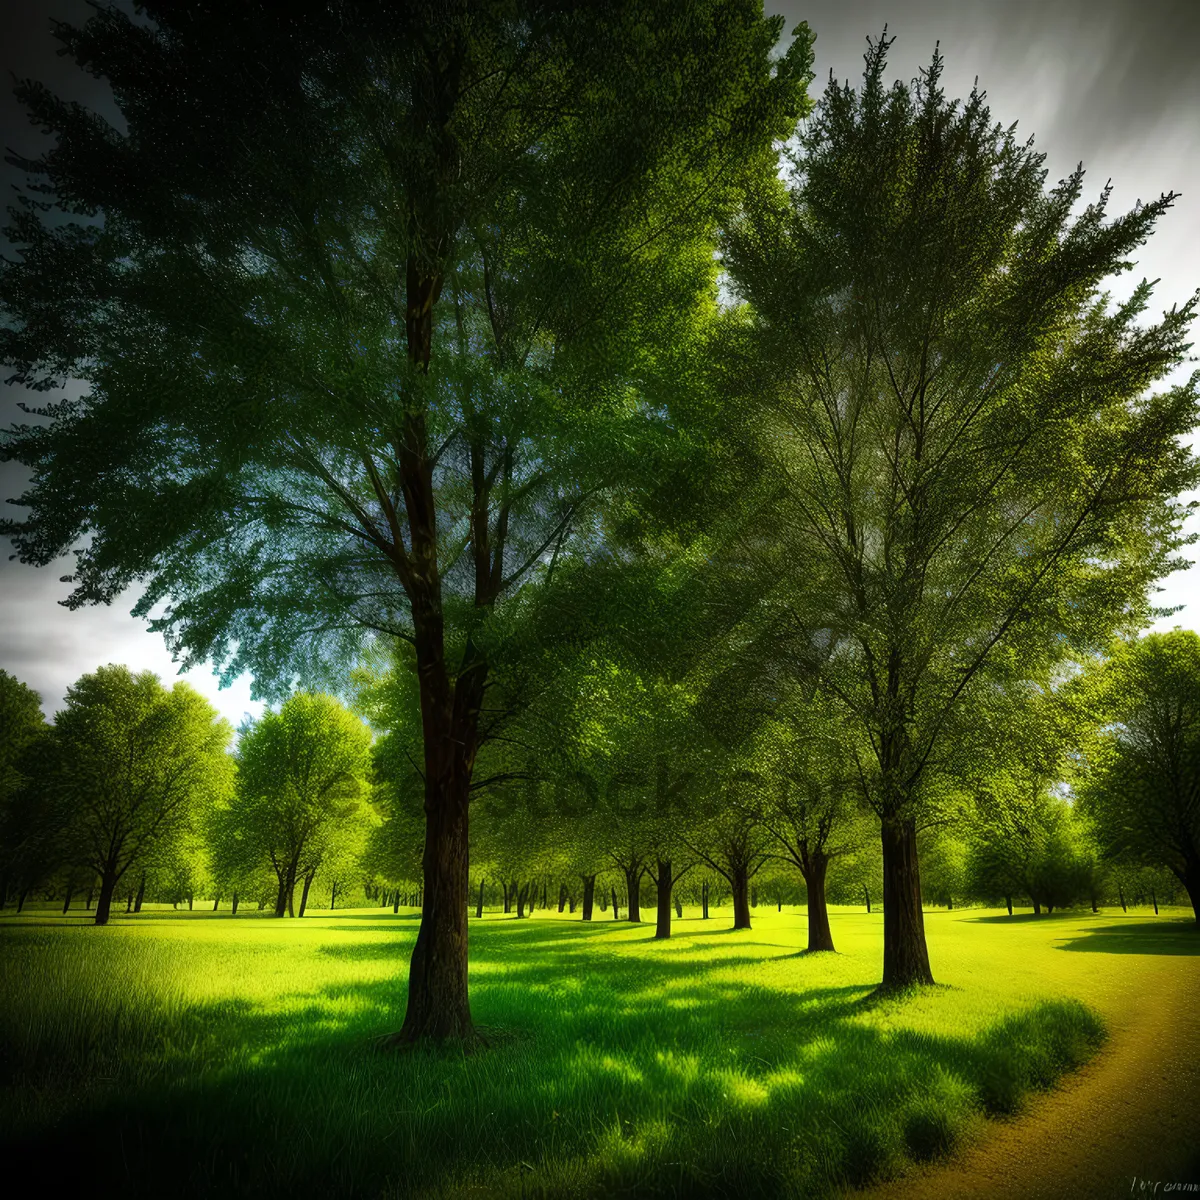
point(1115, 70)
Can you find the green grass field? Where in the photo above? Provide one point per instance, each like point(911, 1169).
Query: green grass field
point(195, 1054)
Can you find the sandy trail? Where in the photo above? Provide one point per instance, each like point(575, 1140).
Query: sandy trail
point(1129, 1117)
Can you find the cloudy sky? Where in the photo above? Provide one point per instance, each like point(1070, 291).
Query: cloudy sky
point(1110, 83)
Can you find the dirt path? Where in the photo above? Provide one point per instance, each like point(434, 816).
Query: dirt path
point(1131, 1115)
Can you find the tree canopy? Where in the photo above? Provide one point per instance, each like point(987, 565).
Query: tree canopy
point(132, 766)
point(302, 782)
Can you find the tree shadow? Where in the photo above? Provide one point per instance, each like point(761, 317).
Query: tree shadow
point(1162, 936)
point(1024, 918)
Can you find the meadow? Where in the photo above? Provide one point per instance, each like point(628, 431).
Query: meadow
point(189, 1054)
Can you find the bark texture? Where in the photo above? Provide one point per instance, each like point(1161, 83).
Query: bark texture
point(819, 935)
point(739, 883)
point(905, 957)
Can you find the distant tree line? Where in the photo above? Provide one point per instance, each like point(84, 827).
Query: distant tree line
point(136, 793)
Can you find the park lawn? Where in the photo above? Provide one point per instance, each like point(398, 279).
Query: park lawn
point(199, 1054)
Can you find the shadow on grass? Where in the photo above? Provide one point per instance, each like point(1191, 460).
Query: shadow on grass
point(1024, 918)
point(613, 1069)
point(1162, 936)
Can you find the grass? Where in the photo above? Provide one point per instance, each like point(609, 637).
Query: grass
point(191, 1054)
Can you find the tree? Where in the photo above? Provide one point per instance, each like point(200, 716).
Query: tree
point(26, 823)
point(730, 836)
point(944, 865)
point(1143, 793)
point(301, 783)
point(366, 325)
point(21, 725)
point(970, 473)
point(134, 765)
point(812, 805)
point(239, 869)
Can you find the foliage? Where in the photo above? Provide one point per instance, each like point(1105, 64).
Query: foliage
point(239, 314)
point(133, 766)
point(1144, 789)
point(21, 724)
point(28, 822)
point(301, 784)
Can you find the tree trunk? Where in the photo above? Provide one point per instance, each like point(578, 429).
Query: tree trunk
point(191, 901)
point(1154, 901)
point(1095, 906)
point(25, 892)
point(141, 894)
point(216, 903)
point(819, 935)
point(589, 895)
point(479, 902)
point(1008, 901)
point(129, 902)
point(663, 882)
point(522, 896)
point(281, 895)
point(87, 904)
point(290, 886)
point(754, 897)
point(108, 885)
point(616, 910)
point(1121, 897)
point(633, 885)
point(562, 896)
point(678, 906)
point(510, 894)
point(867, 898)
point(949, 903)
point(304, 894)
point(396, 901)
point(333, 891)
point(438, 1002)
point(740, 886)
point(544, 904)
point(1037, 906)
point(1190, 878)
point(67, 901)
point(233, 905)
point(704, 900)
point(905, 955)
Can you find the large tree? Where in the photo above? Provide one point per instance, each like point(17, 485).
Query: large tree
point(972, 473)
point(133, 765)
point(367, 324)
point(1144, 789)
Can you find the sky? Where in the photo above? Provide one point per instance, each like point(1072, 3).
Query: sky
point(1110, 83)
